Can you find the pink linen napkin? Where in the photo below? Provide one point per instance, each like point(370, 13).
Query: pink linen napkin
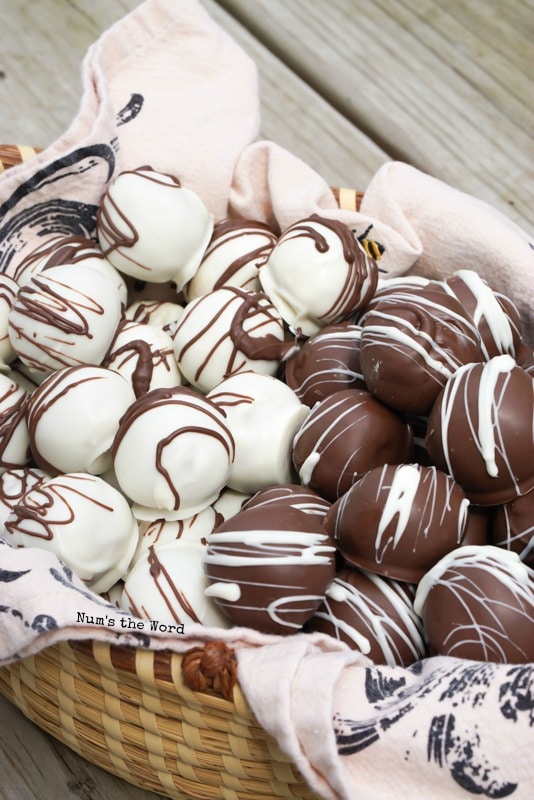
point(166, 86)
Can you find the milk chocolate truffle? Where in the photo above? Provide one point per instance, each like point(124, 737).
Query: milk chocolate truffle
point(144, 356)
point(64, 317)
point(318, 274)
point(14, 435)
point(8, 295)
point(81, 519)
point(512, 527)
point(225, 332)
point(478, 603)
point(152, 228)
point(73, 417)
point(374, 615)
point(495, 315)
point(268, 568)
point(263, 416)
point(326, 363)
point(399, 520)
point(237, 249)
point(344, 436)
point(58, 250)
point(172, 453)
point(412, 342)
point(480, 430)
point(477, 529)
point(166, 586)
point(14, 484)
point(290, 494)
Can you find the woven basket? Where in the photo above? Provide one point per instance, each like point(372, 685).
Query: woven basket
point(176, 725)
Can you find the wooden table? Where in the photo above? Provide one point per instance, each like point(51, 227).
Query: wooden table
point(347, 85)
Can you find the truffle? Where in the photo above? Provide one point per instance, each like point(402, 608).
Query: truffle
point(374, 615)
point(326, 363)
point(225, 332)
point(318, 274)
point(344, 436)
point(412, 342)
point(268, 568)
point(496, 318)
point(172, 453)
point(478, 603)
point(166, 586)
point(512, 527)
point(83, 520)
point(480, 430)
point(290, 494)
point(73, 417)
point(237, 249)
point(64, 317)
point(144, 356)
point(14, 434)
point(263, 415)
point(152, 228)
point(398, 521)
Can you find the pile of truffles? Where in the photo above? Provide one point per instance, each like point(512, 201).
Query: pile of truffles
point(219, 423)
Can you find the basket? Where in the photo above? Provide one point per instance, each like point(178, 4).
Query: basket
point(177, 725)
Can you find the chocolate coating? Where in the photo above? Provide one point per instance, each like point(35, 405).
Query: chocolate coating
point(268, 568)
point(326, 363)
point(495, 316)
point(399, 520)
point(372, 614)
point(416, 338)
point(512, 527)
point(290, 494)
point(480, 431)
point(344, 436)
point(478, 603)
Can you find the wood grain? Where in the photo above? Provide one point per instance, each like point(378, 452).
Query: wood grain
point(446, 86)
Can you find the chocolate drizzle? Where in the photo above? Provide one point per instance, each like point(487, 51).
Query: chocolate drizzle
point(173, 597)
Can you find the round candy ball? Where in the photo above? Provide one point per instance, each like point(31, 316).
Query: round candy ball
point(268, 567)
point(478, 603)
point(399, 520)
point(344, 436)
point(372, 614)
point(481, 430)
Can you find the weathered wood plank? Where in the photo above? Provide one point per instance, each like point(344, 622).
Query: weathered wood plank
point(446, 86)
point(33, 766)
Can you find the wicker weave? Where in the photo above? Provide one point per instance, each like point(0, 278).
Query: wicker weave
point(133, 713)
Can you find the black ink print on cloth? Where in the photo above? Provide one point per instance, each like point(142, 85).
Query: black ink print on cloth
point(454, 739)
point(131, 109)
point(63, 212)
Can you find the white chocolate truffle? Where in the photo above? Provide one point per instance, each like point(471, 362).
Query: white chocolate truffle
point(154, 312)
point(14, 484)
point(172, 454)
point(8, 294)
point(64, 317)
point(144, 355)
point(161, 531)
point(14, 436)
point(73, 418)
point(318, 274)
point(72, 250)
point(151, 228)
point(263, 415)
point(225, 332)
point(167, 587)
point(81, 519)
point(236, 251)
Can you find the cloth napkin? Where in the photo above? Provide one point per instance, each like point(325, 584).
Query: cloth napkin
point(166, 86)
